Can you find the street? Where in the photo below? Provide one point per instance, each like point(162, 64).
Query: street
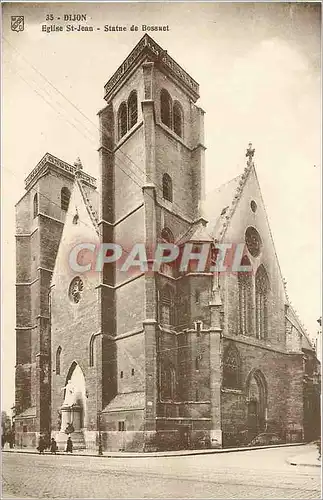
point(249, 474)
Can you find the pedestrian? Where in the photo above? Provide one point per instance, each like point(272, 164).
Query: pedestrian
point(41, 445)
point(53, 446)
point(69, 445)
point(11, 439)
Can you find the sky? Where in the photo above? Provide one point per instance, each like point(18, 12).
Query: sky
point(258, 66)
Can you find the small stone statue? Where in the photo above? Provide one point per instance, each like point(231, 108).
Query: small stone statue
point(69, 394)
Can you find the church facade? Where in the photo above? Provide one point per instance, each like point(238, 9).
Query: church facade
point(150, 360)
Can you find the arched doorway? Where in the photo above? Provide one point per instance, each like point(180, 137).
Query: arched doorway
point(75, 394)
point(256, 390)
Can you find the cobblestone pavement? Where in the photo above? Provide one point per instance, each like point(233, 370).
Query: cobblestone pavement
point(250, 474)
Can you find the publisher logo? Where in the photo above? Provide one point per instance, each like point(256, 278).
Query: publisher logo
point(17, 23)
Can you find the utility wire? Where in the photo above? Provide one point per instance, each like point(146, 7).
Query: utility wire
point(86, 117)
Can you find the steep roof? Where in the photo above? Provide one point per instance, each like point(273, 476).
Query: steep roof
point(28, 413)
point(296, 321)
point(219, 207)
point(218, 204)
point(128, 400)
point(197, 232)
point(91, 201)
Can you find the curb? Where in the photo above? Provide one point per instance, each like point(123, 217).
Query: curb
point(184, 453)
point(291, 462)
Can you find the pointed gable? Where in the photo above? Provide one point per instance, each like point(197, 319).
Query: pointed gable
point(218, 204)
point(80, 227)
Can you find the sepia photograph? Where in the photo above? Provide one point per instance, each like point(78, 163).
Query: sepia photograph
point(161, 250)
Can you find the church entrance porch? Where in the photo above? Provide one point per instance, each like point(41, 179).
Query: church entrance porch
point(257, 403)
point(73, 410)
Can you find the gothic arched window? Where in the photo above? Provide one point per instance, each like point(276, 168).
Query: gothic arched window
point(256, 389)
point(168, 381)
point(65, 198)
point(231, 368)
point(91, 351)
point(245, 299)
point(132, 109)
point(166, 108)
point(122, 120)
point(167, 306)
point(35, 205)
point(58, 360)
point(178, 118)
point(167, 235)
point(262, 287)
point(167, 188)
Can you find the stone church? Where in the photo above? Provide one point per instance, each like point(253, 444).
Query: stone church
point(154, 360)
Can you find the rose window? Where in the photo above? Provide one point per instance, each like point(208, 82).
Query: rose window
point(253, 241)
point(76, 289)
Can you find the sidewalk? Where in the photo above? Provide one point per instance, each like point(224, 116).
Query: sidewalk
point(308, 458)
point(134, 454)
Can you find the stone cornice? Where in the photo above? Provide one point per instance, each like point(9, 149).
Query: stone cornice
point(26, 235)
point(48, 161)
point(252, 341)
point(49, 217)
point(27, 283)
point(119, 285)
point(148, 50)
point(190, 419)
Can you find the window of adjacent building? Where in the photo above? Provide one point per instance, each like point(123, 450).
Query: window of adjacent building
point(132, 109)
point(167, 235)
point(167, 268)
point(168, 382)
point(35, 205)
point(166, 108)
point(231, 368)
point(198, 326)
point(121, 426)
point(122, 120)
point(167, 188)
point(91, 351)
point(197, 363)
point(262, 287)
point(65, 198)
point(197, 296)
point(178, 118)
point(245, 299)
point(121, 374)
point(24, 428)
point(58, 360)
point(167, 306)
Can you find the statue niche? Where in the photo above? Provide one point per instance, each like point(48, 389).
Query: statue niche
point(73, 407)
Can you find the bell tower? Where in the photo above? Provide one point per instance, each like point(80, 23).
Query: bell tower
point(152, 178)
point(40, 218)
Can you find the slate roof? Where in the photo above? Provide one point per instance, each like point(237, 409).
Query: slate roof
point(197, 232)
point(126, 401)
point(29, 413)
point(220, 204)
point(91, 200)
